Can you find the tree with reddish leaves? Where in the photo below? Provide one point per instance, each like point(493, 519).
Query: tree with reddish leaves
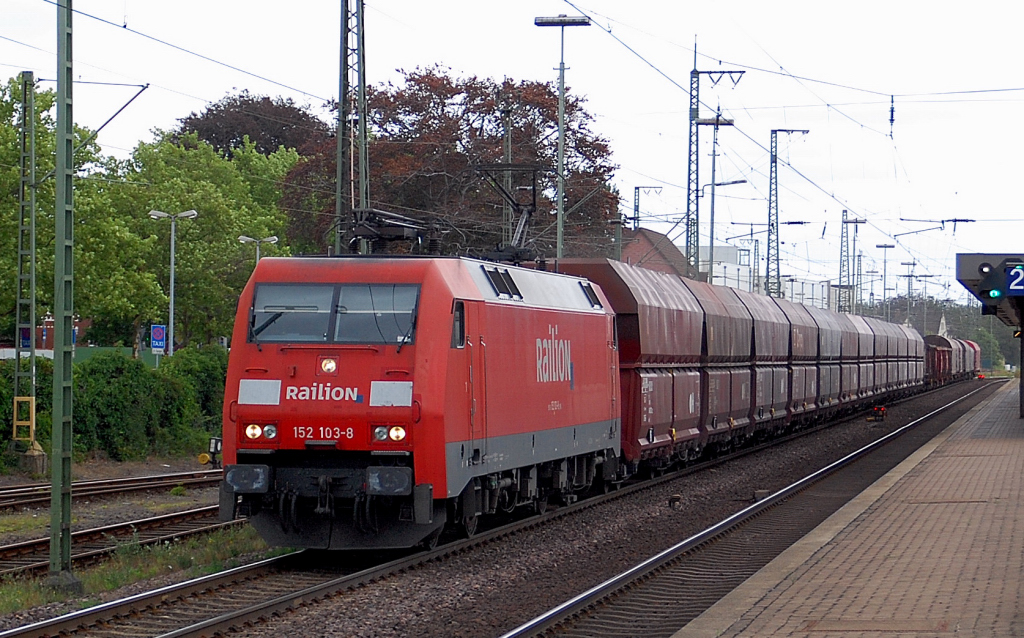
point(428, 139)
point(270, 123)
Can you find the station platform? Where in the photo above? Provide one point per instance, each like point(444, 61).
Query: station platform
point(933, 548)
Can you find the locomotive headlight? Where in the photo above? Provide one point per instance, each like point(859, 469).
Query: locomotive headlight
point(328, 365)
point(397, 433)
point(253, 431)
point(380, 433)
point(270, 431)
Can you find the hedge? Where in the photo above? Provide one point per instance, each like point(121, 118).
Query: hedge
point(128, 411)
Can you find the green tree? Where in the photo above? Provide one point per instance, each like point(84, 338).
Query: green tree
point(232, 196)
point(110, 278)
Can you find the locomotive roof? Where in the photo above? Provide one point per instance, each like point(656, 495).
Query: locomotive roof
point(490, 281)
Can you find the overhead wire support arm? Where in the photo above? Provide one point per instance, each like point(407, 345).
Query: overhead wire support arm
point(913, 232)
point(942, 222)
point(92, 136)
point(636, 202)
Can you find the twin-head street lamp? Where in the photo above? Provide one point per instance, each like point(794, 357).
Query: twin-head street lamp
point(561, 21)
point(249, 240)
point(156, 214)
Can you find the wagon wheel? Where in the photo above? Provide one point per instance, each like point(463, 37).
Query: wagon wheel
point(430, 542)
point(468, 525)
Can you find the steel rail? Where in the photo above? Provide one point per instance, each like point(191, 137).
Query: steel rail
point(158, 601)
point(21, 495)
point(558, 614)
point(90, 545)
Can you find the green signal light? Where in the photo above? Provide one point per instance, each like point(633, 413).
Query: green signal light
point(995, 294)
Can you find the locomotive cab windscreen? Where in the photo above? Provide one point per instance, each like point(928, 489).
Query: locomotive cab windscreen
point(363, 314)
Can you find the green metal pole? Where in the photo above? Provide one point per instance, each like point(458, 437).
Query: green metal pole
point(25, 379)
point(63, 316)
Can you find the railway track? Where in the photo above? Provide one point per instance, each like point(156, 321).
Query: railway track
point(661, 595)
point(91, 545)
point(249, 595)
point(38, 493)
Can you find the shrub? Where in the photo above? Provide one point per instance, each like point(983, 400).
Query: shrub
point(179, 421)
point(126, 410)
point(117, 406)
point(204, 371)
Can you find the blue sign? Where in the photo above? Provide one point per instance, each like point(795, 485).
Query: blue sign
point(1015, 282)
point(158, 338)
point(26, 338)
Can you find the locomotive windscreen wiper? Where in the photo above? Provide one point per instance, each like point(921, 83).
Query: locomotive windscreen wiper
point(266, 324)
point(412, 326)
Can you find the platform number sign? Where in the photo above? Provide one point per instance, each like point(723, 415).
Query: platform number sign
point(158, 338)
point(1015, 281)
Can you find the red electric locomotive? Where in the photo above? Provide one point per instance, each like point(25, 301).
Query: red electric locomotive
point(371, 400)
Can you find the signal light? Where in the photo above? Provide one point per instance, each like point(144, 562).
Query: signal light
point(991, 287)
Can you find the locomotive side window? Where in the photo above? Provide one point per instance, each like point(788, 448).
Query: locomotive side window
point(376, 313)
point(459, 325)
point(291, 313)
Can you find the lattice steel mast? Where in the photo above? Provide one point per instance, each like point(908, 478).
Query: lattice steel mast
point(352, 188)
point(692, 219)
point(773, 279)
point(25, 376)
point(63, 315)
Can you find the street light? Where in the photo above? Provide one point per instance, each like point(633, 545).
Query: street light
point(156, 214)
point(245, 239)
point(716, 121)
point(561, 21)
point(885, 252)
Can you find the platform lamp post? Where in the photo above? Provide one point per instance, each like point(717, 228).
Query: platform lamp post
point(713, 184)
point(885, 252)
point(156, 214)
point(245, 239)
point(561, 21)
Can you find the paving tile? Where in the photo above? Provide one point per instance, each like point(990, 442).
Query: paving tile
point(934, 548)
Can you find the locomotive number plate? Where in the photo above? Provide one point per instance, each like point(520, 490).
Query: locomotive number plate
point(322, 432)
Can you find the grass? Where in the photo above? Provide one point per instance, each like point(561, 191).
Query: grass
point(131, 563)
point(24, 522)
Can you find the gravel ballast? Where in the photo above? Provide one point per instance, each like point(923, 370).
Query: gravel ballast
point(495, 588)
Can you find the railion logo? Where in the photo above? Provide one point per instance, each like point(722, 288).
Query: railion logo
point(322, 392)
point(554, 359)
